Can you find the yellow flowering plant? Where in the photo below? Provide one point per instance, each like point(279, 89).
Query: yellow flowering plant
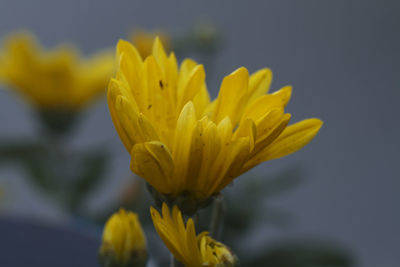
point(58, 82)
point(56, 79)
point(188, 248)
point(187, 146)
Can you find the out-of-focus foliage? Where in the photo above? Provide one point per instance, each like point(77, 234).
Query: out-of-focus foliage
point(66, 176)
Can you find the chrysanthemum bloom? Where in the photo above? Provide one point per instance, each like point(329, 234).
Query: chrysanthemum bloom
point(54, 81)
point(189, 249)
point(184, 145)
point(143, 41)
point(124, 242)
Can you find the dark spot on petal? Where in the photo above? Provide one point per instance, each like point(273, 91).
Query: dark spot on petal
point(161, 85)
point(149, 106)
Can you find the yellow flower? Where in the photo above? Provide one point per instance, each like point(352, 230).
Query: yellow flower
point(180, 142)
point(143, 41)
point(53, 80)
point(181, 240)
point(124, 242)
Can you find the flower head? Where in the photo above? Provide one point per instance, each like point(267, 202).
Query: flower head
point(124, 242)
point(181, 240)
point(57, 80)
point(182, 143)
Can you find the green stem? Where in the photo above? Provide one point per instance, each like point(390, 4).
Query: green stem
point(217, 216)
point(174, 262)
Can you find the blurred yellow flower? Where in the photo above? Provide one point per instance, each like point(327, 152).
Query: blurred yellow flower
point(53, 80)
point(123, 240)
point(143, 41)
point(180, 142)
point(189, 249)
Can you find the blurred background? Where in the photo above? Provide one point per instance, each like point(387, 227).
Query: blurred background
point(342, 59)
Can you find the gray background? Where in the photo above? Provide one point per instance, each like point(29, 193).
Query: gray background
point(341, 56)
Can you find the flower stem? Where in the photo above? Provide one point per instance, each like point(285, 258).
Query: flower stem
point(217, 216)
point(174, 262)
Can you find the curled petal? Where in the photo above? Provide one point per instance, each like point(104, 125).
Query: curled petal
point(153, 162)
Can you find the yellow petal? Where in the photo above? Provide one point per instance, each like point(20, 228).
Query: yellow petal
point(209, 141)
point(227, 168)
point(201, 101)
point(210, 109)
point(240, 150)
point(225, 131)
point(136, 125)
point(284, 94)
point(151, 87)
point(247, 128)
point(293, 138)
point(112, 102)
point(121, 87)
point(272, 130)
point(130, 64)
point(192, 86)
point(266, 103)
point(158, 108)
point(171, 76)
point(185, 72)
point(132, 127)
point(153, 162)
point(145, 128)
point(186, 68)
point(166, 231)
point(193, 249)
point(268, 122)
point(290, 140)
point(182, 142)
point(232, 96)
point(181, 231)
point(211, 149)
point(258, 154)
point(125, 47)
point(259, 83)
point(196, 153)
point(159, 53)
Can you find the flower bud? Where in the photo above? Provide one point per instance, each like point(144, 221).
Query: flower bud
point(124, 242)
point(223, 256)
